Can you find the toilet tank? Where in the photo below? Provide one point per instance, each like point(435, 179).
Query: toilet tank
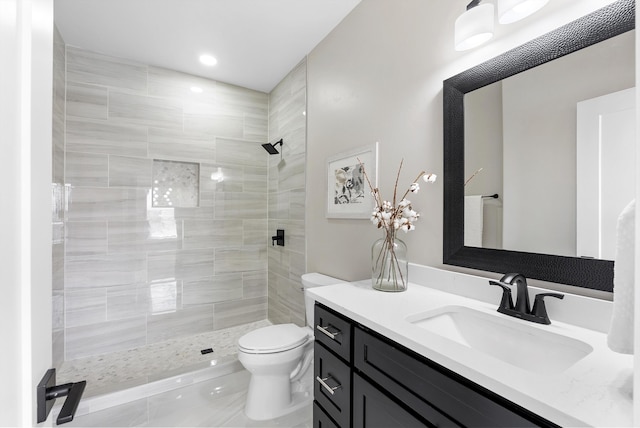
point(310, 280)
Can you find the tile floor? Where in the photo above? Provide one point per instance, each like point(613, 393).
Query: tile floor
point(171, 384)
point(218, 402)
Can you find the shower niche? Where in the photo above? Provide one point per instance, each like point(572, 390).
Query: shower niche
point(175, 184)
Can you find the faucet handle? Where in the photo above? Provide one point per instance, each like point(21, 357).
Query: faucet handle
point(539, 309)
point(506, 303)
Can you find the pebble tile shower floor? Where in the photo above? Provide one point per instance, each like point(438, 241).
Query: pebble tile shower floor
point(125, 369)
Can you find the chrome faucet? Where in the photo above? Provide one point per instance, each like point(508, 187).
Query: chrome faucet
point(522, 310)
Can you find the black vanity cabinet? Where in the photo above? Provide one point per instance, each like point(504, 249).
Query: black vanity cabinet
point(363, 379)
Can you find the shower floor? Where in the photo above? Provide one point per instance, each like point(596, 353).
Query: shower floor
point(125, 369)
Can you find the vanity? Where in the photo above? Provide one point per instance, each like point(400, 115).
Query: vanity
point(402, 359)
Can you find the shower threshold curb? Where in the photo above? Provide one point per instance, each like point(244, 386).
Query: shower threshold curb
point(112, 399)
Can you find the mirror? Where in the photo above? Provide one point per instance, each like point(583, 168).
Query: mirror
point(566, 258)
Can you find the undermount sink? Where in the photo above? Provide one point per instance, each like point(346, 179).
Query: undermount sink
point(509, 340)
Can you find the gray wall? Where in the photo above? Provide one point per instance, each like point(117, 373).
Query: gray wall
point(378, 77)
point(202, 268)
point(287, 120)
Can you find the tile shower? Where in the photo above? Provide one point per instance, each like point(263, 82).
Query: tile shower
point(132, 272)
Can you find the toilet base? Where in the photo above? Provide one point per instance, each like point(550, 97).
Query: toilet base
point(298, 401)
point(277, 399)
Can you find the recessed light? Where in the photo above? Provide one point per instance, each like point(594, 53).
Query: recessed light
point(208, 60)
point(196, 89)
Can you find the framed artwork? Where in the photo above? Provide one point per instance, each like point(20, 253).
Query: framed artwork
point(348, 193)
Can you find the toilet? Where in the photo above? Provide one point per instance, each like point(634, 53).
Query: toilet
point(278, 357)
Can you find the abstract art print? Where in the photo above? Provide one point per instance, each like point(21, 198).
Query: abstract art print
point(347, 190)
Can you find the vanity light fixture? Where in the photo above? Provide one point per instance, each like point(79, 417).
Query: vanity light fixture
point(207, 59)
point(475, 26)
point(514, 10)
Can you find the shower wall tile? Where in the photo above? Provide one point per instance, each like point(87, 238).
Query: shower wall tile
point(255, 129)
point(58, 198)
point(105, 337)
point(212, 234)
point(277, 312)
point(145, 235)
point(279, 205)
point(127, 301)
point(85, 307)
point(290, 295)
point(255, 179)
point(240, 152)
point(278, 261)
point(225, 178)
point(174, 144)
point(255, 232)
point(106, 137)
point(167, 83)
point(222, 125)
point(241, 259)
point(241, 100)
point(58, 310)
point(235, 312)
point(295, 235)
point(292, 174)
point(145, 110)
point(186, 322)
point(105, 270)
point(134, 274)
point(90, 67)
point(129, 172)
point(57, 265)
point(88, 203)
point(182, 265)
point(286, 202)
point(297, 266)
point(254, 284)
point(87, 169)
point(297, 204)
point(204, 212)
point(89, 101)
point(241, 205)
point(86, 238)
point(219, 288)
point(57, 357)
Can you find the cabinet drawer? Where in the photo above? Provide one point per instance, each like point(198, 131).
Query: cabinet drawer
point(443, 397)
point(333, 331)
point(321, 419)
point(373, 409)
point(332, 385)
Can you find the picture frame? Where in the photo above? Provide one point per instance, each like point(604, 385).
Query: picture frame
point(348, 193)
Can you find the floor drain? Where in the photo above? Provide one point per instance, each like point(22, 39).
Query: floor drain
point(206, 351)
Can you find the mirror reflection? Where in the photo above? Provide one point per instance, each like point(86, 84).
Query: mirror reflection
point(556, 144)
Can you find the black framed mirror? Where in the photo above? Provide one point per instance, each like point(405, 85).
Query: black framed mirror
point(601, 25)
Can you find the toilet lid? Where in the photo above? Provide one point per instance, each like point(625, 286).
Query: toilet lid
point(274, 338)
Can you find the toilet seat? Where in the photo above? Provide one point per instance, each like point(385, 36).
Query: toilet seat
point(272, 339)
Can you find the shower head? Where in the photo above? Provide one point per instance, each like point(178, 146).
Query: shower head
point(271, 148)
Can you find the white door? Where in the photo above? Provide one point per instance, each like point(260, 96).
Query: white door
point(26, 64)
point(605, 170)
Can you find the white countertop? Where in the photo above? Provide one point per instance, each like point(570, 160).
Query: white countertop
point(595, 391)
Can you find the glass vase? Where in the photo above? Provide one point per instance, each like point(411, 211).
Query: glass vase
point(389, 266)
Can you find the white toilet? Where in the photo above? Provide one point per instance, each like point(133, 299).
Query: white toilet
point(278, 356)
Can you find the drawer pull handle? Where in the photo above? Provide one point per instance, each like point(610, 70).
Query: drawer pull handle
point(325, 330)
point(323, 382)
